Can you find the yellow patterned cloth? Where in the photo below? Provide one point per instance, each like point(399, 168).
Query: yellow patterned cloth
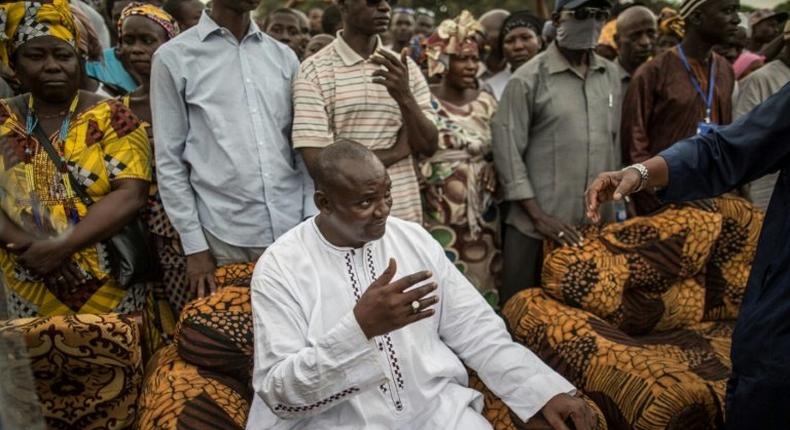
point(87, 369)
point(104, 143)
point(22, 21)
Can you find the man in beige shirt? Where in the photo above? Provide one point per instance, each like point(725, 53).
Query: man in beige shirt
point(357, 90)
point(555, 128)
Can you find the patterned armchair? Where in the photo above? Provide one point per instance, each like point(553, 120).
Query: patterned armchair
point(87, 369)
point(641, 317)
point(203, 380)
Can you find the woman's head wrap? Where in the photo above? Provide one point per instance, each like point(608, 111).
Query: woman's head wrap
point(155, 14)
point(88, 46)
point(607, 34)
point(523, 18)
point(453, 37)
point(23, 21)
point(670, 23)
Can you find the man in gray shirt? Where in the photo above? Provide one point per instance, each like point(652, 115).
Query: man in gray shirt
point(556, 126)
point(755, 89)
point(229, 179)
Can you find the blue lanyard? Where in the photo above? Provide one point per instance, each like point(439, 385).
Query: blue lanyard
point(711, 82)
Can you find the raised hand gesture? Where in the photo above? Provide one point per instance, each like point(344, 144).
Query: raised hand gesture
point(386, 306)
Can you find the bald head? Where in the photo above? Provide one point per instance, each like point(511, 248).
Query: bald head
point(492, 22)
point(636, 34)
point(634, 16)
point(494, 17)
point(346, 163)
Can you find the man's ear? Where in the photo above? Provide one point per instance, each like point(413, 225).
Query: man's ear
point(321, 201)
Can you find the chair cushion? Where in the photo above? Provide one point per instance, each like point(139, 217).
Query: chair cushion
point(215, 332)
point(630, 273)
point(730, 264)
point(668, 380)
point(180, 396)
point(87, 368)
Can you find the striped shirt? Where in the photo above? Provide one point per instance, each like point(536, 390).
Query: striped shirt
point(335, 98)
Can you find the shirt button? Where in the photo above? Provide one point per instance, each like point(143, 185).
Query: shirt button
point(248, 80)
point(254, 110)
point(260, 143)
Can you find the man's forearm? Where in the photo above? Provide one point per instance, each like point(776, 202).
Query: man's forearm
point(422, 134)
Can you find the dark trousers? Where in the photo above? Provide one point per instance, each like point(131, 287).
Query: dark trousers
point(523, 261)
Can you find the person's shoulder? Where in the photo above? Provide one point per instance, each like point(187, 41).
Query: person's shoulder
point(321, 60)
point(763, 77)
point(185, 39)
point(409, 231)
point(531, 69)
point(288, 248)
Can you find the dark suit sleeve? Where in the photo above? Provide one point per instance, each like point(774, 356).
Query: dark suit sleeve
point(755, 145)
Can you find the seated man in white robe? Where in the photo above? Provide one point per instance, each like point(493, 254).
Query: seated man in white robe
point(362, 322)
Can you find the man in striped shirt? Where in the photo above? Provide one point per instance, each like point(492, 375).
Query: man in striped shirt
point(355, 89)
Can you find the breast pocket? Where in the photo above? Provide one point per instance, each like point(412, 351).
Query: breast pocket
point(276, 94)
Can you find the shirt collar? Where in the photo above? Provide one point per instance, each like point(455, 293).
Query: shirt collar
point(207, 26)
point(348, 55)
point(558, 63)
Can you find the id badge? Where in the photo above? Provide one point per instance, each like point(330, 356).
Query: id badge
point(706, 127)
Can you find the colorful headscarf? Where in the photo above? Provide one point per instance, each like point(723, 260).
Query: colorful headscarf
point(88, 46)
point(670, 23)
point(452, 37)
point(23, 21)
point(155, 14)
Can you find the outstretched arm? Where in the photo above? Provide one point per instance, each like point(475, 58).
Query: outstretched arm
point(710, 164)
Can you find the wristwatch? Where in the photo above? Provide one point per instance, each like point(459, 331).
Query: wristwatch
point(644, 175)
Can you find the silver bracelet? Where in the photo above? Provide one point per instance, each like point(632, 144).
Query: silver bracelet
point(644, 175)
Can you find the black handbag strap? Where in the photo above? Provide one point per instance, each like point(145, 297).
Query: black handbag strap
point(18, 102)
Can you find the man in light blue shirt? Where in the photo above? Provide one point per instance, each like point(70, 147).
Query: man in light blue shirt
point(229, 179)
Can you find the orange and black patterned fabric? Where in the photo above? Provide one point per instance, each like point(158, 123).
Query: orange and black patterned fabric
point(641, 317)
point(728, 268)
point(215, 332)
point(87, 368)
point(670, 380)
point(649, 273)
point(204, 379)
point(180, 396)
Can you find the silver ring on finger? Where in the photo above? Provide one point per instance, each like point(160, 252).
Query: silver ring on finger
point(61, 278)
point(561, 234)
point(415, 306)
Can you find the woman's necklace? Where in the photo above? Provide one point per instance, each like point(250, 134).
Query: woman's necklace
point(58, 190)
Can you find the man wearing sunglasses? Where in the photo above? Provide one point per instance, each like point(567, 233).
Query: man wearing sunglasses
point(556, 125)
point(682, 92)
point(356, 89)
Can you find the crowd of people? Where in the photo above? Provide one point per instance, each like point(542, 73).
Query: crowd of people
point(206, 136)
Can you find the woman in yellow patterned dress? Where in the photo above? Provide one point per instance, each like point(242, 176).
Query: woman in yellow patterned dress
point(460, 209)
point(53, 261)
